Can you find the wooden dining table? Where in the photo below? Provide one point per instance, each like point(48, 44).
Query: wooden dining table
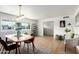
point(22, 38)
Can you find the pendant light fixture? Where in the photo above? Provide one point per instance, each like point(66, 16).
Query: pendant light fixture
point(18, 23)
point(20, 15)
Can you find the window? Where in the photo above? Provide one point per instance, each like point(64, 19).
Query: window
point(7, 25)
point(25, 26)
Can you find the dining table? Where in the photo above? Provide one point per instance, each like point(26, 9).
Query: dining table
point(14, 38)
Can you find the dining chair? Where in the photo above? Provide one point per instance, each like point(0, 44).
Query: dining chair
point(8, 41)
point(0, 47)
point(8, 47)
point(30, 41)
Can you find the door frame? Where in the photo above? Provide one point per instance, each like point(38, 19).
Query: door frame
point(52, 25)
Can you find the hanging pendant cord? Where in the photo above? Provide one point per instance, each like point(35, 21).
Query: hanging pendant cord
point(20, 10)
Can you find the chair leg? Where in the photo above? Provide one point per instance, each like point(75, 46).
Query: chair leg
point(2, 50)
point(33, 47)
point(24, 45)
point(5, 52)
point(19, 50)
point(27, 47)
point(75, 50)
point(65, 48)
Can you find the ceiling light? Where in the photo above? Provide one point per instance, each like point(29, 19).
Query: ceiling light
point(20, 15)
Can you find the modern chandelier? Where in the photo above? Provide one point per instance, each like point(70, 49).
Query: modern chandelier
point(20, 15)
point(18, 23)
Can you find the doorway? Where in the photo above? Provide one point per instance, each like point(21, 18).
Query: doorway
point(48, 28)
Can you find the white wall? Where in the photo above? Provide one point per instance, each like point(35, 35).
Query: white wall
point(56, 21)
point(40, 25)
point(76, 23)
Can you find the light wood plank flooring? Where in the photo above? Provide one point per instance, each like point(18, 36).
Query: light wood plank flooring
point(49, 43)
point(45, 45)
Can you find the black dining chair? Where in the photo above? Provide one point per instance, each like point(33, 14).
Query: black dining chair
point(8, 41)
point(0, 47)
point(30, 41)
point(8, 47)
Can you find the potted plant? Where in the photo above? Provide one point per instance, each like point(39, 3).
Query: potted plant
point(67, 30)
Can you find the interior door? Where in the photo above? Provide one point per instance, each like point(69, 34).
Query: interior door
point(48, 28)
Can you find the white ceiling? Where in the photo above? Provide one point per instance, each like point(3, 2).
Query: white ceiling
point(40, 11)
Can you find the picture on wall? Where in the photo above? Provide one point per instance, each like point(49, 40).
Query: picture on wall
point(62, 23)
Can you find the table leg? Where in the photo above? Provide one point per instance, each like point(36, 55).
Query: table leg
point(16, 46)
point(65, 48)
point(19, 47)
point(19, 50)
point(6, 39)
point(33, 47)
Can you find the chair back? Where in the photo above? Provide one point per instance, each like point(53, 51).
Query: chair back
point(3, 43)
point(32, 39)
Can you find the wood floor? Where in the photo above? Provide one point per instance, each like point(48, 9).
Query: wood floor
point(49, 43)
